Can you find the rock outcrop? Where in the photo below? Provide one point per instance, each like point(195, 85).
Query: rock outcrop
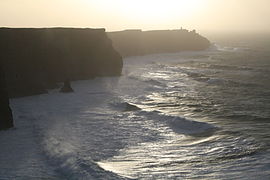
point(37, 59)
point(6, 120)
point(137, 42)
point(66, 87)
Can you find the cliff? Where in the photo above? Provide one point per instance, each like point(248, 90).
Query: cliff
point(36, 59)
point(6, 120)
point(137, 42)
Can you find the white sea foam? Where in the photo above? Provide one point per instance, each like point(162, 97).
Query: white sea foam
point(56, 125)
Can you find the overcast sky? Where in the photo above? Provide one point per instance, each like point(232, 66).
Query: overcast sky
point(211, 15)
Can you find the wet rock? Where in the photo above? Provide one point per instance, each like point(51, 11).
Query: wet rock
point(66, 87)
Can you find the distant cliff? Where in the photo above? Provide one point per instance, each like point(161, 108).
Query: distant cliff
point(36, 59)
point(137, 42)
point(6, 120)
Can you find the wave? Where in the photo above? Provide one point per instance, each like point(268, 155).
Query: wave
point(178, 124)
point(218, 47)
point(212, 73)
point(191, 127)
point(124, 106)
point(246, 117)
point(182, 125)
point(209, 159)
point(228, 82)
point(216, 81)
point(200, 77)
point(71, 165)
point(229, 67)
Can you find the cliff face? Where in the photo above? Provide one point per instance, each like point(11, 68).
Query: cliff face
point(6, 120)
point(137, 42)
point(36, 59)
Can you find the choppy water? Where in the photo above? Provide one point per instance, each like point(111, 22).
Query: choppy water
point(190, 115)
point(227, 88)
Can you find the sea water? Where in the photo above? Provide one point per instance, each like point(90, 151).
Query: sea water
point(188, 115)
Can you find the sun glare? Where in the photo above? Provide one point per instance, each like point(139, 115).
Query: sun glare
point(154, 10)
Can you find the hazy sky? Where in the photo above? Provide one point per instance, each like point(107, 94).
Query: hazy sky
point(221, 15)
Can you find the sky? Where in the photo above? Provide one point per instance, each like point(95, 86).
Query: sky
point(202, 15)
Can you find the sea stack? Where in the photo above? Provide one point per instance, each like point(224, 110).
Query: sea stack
point(6, 119)
point(66, 87)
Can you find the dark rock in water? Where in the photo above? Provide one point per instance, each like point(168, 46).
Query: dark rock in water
point(67, 87)
point(130, 107)
point(6, 119)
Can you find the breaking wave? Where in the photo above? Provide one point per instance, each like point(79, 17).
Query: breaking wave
point(125, 106)
point(178, 124)
point(182, 125)
point(218, 47)
point(70, 164)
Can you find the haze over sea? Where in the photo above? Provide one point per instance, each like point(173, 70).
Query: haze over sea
point(187, 115)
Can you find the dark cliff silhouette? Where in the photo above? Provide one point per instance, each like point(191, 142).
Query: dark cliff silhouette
point(36, 59)
point(6, 120)
point(137, 42)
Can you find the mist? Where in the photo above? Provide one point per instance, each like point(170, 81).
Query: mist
point(207, 16)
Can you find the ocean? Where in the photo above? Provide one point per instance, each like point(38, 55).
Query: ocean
point(187, 115)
